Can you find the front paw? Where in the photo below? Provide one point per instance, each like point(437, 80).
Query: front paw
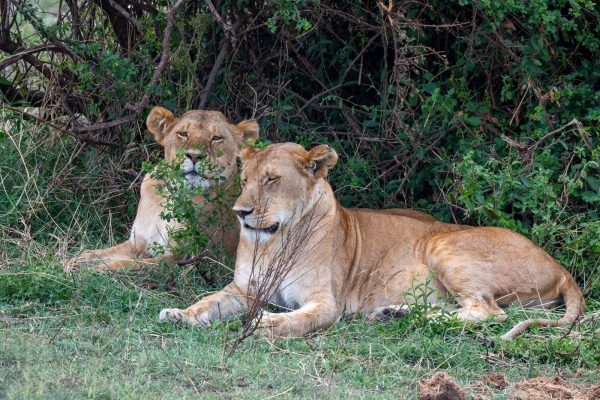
point(75, 264)
point(82, 260)
point(274, 326)
point(192, 318)
point(71, 265)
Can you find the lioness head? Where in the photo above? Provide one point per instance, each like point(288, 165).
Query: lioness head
point(279, 185)
point(203, 134)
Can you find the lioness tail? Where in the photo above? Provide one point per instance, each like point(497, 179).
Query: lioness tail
point(573, 298)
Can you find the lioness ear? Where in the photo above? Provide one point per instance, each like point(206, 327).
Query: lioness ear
point(320, 159)
point(246, 132)
point(158, 121)
point(247, 153)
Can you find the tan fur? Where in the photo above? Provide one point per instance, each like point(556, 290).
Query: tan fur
point(418, 215)
point(193, 130)
point(358, 260)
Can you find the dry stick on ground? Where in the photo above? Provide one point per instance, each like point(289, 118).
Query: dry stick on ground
point(182, 371)
point(192, 260)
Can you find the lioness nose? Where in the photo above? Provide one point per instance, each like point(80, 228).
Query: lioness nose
point(194, 156)
point(242, 213)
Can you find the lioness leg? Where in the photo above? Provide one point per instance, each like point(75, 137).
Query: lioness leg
point(478, 308)
point(485, 267)
point(124, 251)
point(133, 264)
point(230, 301)
point(320, 312)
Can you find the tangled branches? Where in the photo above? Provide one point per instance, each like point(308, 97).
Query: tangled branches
point(400, 88)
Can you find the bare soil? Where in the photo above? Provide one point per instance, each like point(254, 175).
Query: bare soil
point(546, 388)
point(441, 387)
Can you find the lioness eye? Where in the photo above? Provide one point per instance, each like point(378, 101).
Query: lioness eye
point(183, 134)
point(217, 138)
point(271, 180)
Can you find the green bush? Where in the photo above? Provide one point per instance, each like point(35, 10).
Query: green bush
point(476, 112)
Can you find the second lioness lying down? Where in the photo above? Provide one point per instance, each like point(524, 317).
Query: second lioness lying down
point(352, 260)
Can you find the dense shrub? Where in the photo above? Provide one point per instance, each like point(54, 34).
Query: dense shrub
point(478, 112)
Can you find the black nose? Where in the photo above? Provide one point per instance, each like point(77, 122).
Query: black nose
point(194, 157)
point(242, 213)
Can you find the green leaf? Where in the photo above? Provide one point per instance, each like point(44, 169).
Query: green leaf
point(593, 182)
point(474, 121)
point(430, 87)
point(5, 82)
point(170, 105)
point(413, 99)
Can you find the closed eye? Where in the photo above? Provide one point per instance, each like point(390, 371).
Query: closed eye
point(271, 180)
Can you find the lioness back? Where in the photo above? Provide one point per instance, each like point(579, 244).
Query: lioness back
point(403, 212)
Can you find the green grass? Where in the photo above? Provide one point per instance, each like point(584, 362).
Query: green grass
point(97, 336)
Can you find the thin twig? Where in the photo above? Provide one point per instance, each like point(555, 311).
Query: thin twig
point(182, 371)
point(141, 105)
point(342, 79)
point(217, 65)
point(83, 138)
point(191, 260)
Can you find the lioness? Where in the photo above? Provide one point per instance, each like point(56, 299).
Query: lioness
point(364, 261)
point(221, 142)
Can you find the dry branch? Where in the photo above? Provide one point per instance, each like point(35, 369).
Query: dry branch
point(219, 61)
point(141, 105)
point(342, 79)
point(229, 31)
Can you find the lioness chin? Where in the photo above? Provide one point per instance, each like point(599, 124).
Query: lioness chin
point(201, 134)
point(352, 260)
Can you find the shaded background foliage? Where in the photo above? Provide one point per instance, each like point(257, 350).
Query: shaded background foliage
point(481, 112)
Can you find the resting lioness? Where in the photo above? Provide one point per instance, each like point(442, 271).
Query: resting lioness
point(195, 130)
point(364, 261)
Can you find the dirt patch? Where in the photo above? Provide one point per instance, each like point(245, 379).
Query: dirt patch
point(542, 388)
point(480, 391)
point(594, 392)
point(496, 381)
point(441, 386)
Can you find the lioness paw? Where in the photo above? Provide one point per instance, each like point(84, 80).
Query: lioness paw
point(389, 312)
point(177, 315)
point(82, 260)
point(71, 265)
point(75, 264)
point(274, 326)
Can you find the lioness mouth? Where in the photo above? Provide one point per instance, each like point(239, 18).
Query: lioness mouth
point(270, 230)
